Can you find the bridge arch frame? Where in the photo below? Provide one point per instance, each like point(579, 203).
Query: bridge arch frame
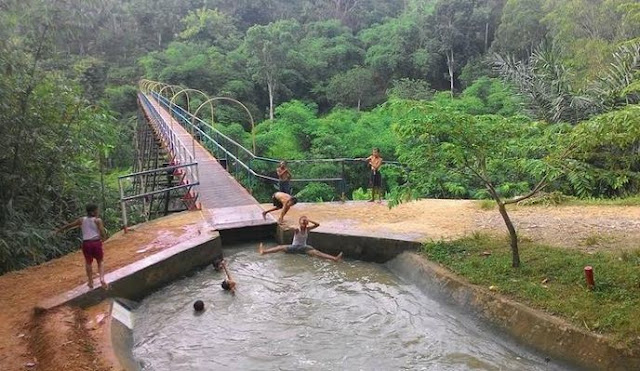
point(253, 126)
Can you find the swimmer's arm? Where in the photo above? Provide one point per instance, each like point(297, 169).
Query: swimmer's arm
point(74, 224)
point(103, 232)
point(226, 272)
point(313, 226)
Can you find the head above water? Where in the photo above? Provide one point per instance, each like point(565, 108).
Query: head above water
point(228, 285)
point(92, 210)
point(198, 306)
point(304, 221)
point(217, 263)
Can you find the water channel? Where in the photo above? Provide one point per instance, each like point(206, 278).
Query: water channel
point(294, 312)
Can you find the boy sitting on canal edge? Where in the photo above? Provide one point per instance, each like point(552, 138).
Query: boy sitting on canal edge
point(299, 244)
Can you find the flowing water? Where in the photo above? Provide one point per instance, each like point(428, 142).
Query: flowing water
point(294, 312)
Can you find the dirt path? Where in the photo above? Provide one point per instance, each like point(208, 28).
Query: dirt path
point(587, 228)
point(20, 291)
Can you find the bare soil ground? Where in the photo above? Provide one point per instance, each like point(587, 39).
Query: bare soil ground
point(58, 340)
point(587, 228)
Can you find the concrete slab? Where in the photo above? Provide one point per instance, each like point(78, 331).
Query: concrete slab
point(237, 217)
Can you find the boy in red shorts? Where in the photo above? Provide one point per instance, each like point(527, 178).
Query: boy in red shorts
point(93, 234)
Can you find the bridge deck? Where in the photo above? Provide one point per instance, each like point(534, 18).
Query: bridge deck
point(227, 203)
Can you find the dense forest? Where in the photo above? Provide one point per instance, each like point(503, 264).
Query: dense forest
point(478, 98)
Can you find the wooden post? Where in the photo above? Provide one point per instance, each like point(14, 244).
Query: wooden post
point(588, 275)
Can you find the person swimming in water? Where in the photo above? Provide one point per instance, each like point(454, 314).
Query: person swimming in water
point(299, 243)
point(228, 284)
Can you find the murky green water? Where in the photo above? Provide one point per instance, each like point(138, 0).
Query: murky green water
point(295, 312)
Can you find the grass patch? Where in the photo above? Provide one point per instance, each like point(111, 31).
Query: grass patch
point(593, 240)
point(552, 279)
point(559, 199)
point(487, 204)
point(627, 201)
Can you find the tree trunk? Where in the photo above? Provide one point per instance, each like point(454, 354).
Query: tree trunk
point(450, 67)
point(104, 198)
point(270, 88)
point(515, 254)
point(486, 36)
point(358, 104)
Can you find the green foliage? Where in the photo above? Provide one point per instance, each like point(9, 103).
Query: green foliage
point(411, 89)
point(212, 27)
point(351, 88)
point(452, 153)
point(360, 194)
point(496, 97)
point(521, 28)
point(316, 192)
point(546, 84)
point(59, 140)
point(272, 58)
point(606, 161)
point(122, 98)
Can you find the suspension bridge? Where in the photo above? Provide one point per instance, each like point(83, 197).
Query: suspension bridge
point(183, 162)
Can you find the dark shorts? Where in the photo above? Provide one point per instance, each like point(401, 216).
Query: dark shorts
point(92, 249)
point(298, 249)
point(376, 179)
point(276, 202)
point(284, 186)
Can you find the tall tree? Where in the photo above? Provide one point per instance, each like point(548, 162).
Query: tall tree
point(352, 87)
point(456, 31)
point(271, 54)
point(483, 148)
point(521, 29)
point(211, 27)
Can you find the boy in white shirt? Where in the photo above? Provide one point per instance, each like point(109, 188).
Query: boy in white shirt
point(93, 233)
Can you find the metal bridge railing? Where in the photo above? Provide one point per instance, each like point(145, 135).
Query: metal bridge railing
point(180, 153)
point(238, 158)
point(148, 198)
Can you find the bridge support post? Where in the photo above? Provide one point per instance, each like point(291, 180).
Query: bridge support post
point(343, 183)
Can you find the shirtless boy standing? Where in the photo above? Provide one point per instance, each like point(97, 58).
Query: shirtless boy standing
point(282, 201)
point(284, 178)
point(375, 162)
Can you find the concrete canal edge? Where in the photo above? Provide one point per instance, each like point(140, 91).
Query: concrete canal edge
point(547, 334)
point(136, 280)
point(544, 333)
point(534, 328)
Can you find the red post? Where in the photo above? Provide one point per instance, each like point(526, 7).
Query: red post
point(588, 275)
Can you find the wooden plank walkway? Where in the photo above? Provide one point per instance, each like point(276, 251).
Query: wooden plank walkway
point(227, 203)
